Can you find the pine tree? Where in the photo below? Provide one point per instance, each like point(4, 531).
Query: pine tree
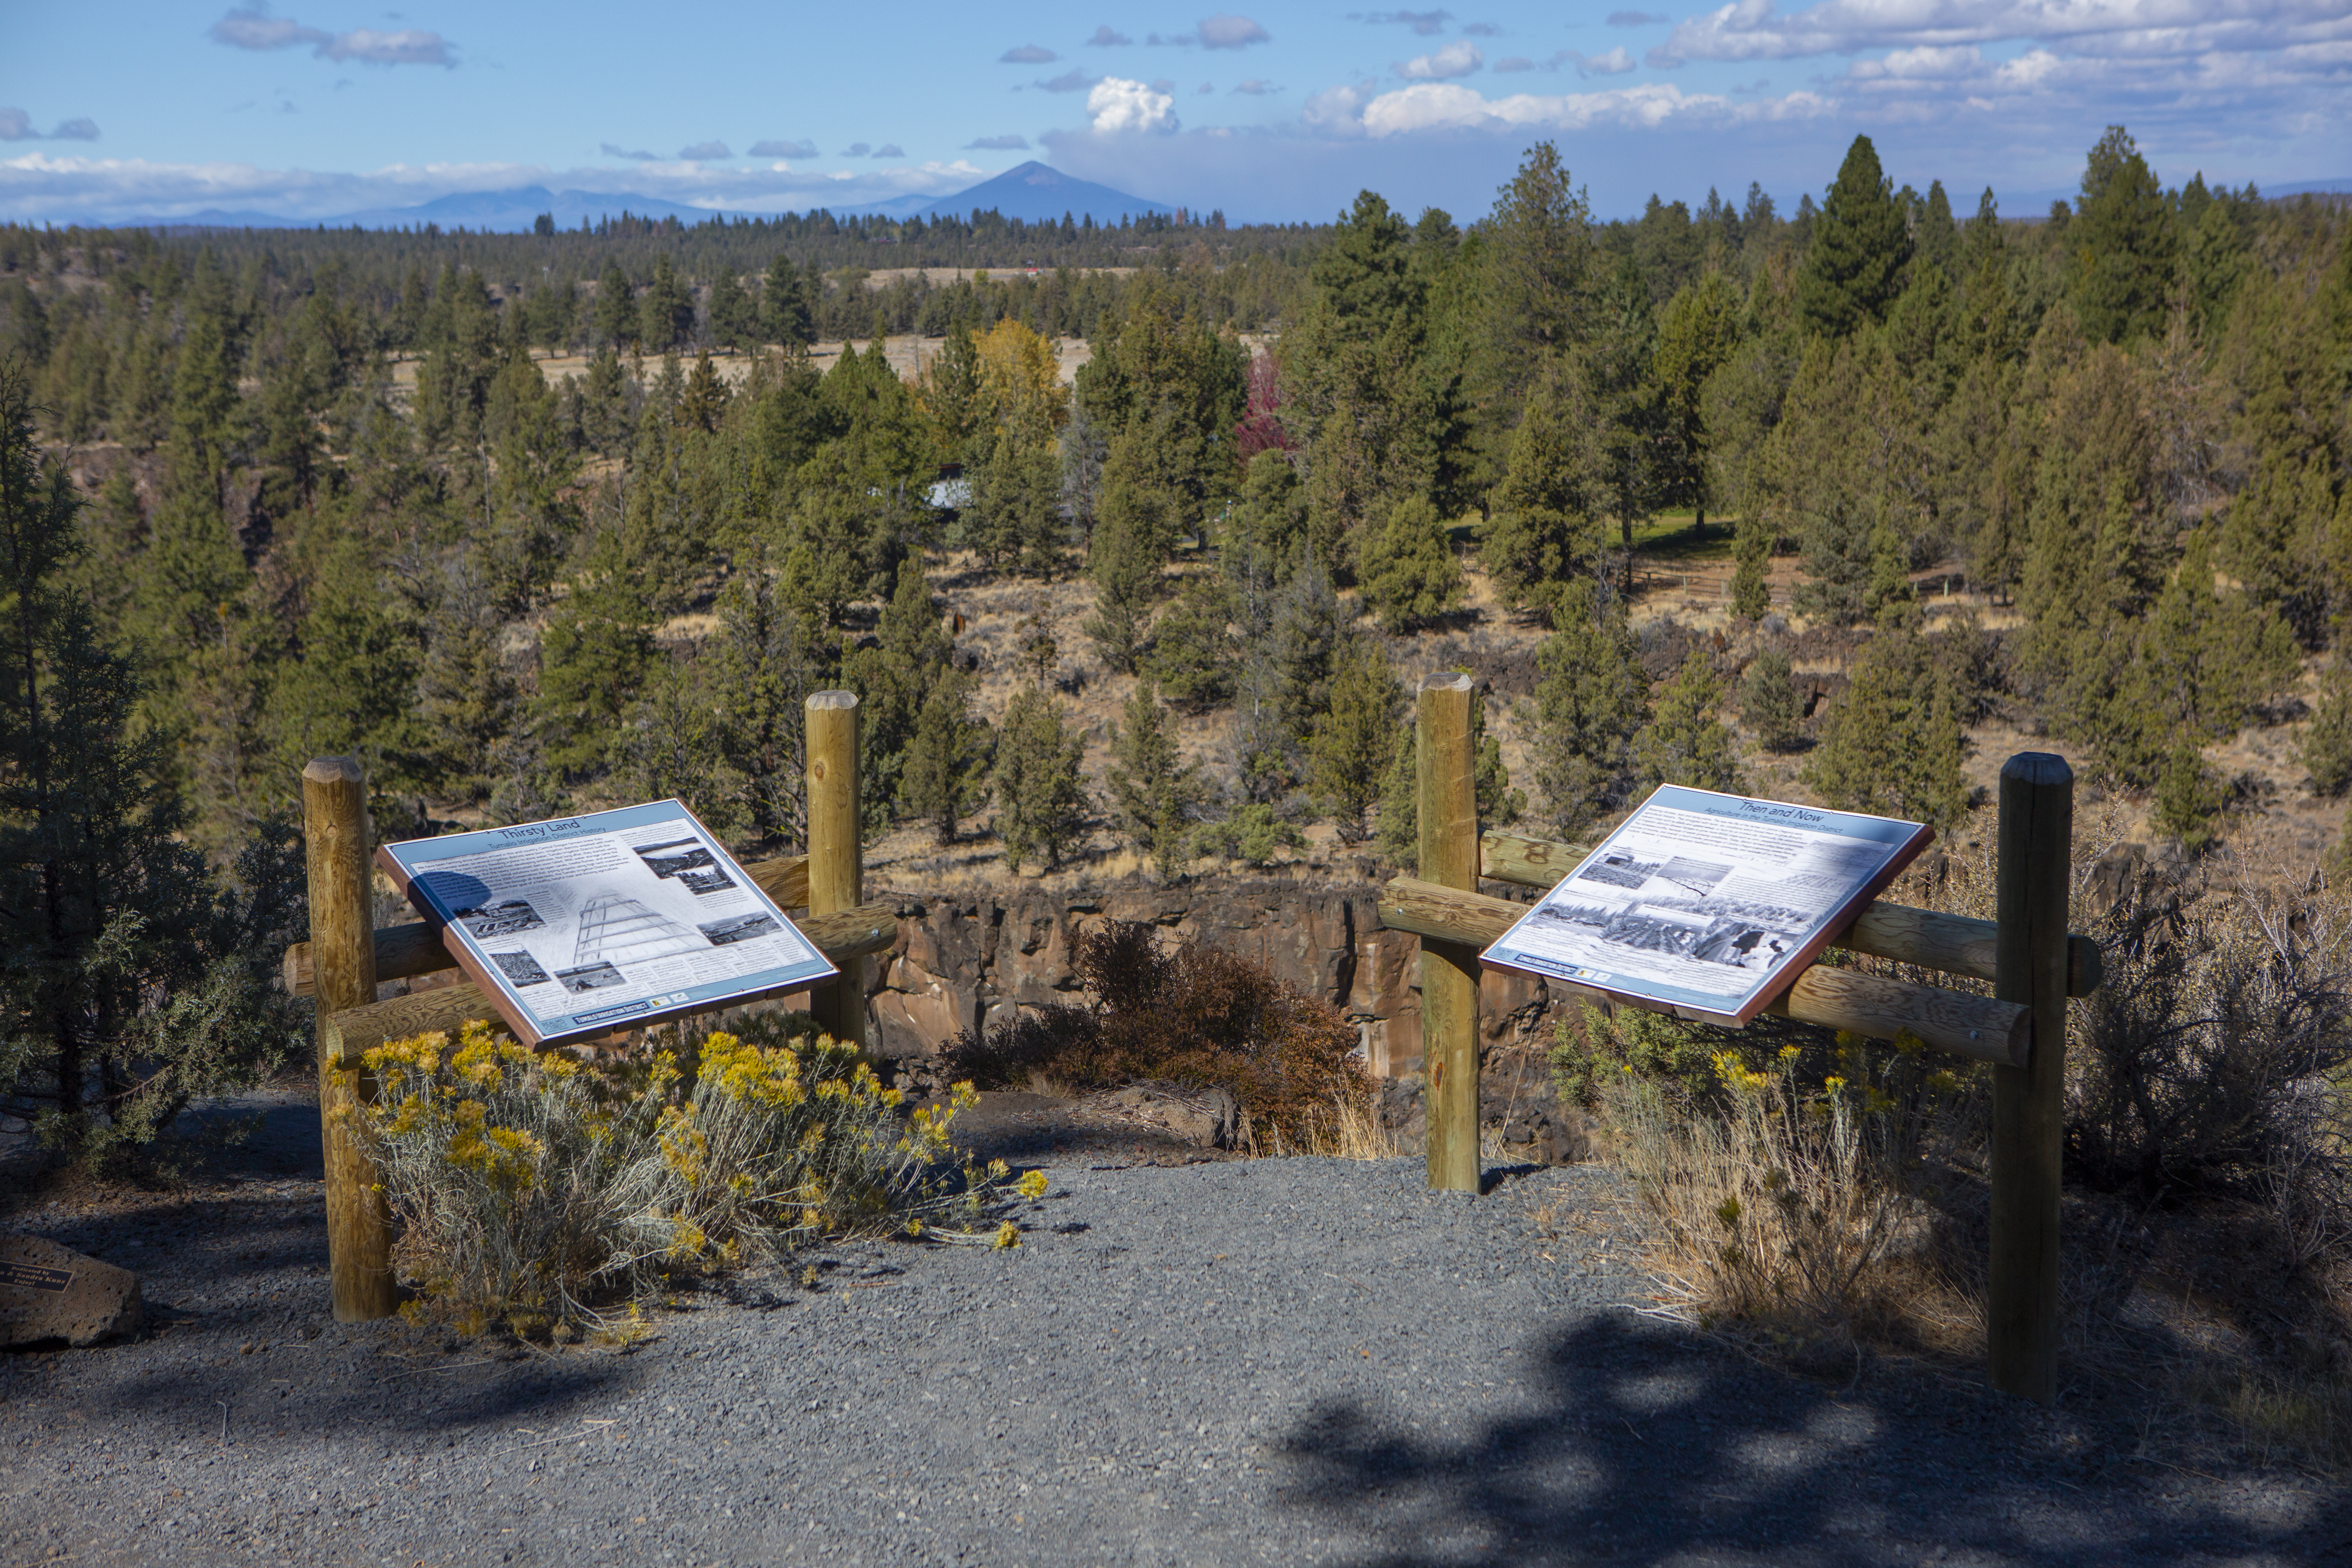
point(1687, 742)
point(1854, 266)
point(617, 317)
point(1356, 738)
point(1892, 743)
point(1592, 700)
point(734, 318)
point(1041, 796)
point(665, 314)
point(1153, 788)
point(2122, 244)
point(703, 404)
point(769, 655)
point(1406, 566)
point(1767, 702)
point(786, 305)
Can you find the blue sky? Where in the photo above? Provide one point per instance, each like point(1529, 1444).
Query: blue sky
point(321, 107)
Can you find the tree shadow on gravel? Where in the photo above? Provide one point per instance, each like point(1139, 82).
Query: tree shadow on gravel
point(1652, 1445)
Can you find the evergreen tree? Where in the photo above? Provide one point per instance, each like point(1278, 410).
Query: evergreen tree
point(734, 315)
point(1499, 805)
point(1751, 589)
point(1041, 796)
point(769, 655)
point(1407, 568)
point(1592, 700)
point(1767, 702)
point(1265, 531)
point(2188, 798)
point(703, 404)
point(616, 318)
point(2122, 246)
point(1938, 239)
point(787, 314)
point(1687, 742)
point(1861, 243)
point(352, 688)
point(1698, 333)
point(1546, 523)
point(1125, 562)
point(665, 314)
point(2325, 750)
point(1540, 265)
point(1356, 739)
point(131, 986)
point(945, 776)
point(594, 658)
point(1891, 745)
point(1194, 658)
point(1308, 639)
point(1154, 790)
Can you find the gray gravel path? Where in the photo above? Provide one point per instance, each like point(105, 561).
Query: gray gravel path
point(1284, 1361)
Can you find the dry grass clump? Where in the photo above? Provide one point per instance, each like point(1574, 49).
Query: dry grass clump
point(1196, 1017)
point(1824, 1196)
point(536, 1189)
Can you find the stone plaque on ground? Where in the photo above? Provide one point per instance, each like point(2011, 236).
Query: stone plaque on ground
point(50, 1292)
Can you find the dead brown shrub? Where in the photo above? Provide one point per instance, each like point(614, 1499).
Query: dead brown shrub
point(1193, 1018)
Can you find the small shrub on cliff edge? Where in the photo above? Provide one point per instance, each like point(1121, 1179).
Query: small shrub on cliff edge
point(1196, 1017)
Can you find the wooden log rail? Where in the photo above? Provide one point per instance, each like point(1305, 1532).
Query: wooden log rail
point(1929, 938)
point(1975, 1026)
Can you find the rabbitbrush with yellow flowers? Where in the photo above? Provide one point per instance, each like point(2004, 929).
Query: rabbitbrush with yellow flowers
point(541, 1190)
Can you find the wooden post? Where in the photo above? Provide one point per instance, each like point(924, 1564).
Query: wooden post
point(2037, 825)
point(836, 857)
point(343, 952)
point(1448, 806)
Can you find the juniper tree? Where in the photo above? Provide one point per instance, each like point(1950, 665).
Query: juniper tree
point(770, 654)
point(1125, 562)
point(1685, 742)
point(944, 777)
point(1405, 566)
point(1546, 521)
point(2188, 798)
point(594, 658)
point(1767, 702)
point(1041, 794)
point(2325, 750)
point(1153, 788)
point(1194, 658)
point(1592, 700)
point(1356, 738)
point(1499, 805)
point(1891, 741)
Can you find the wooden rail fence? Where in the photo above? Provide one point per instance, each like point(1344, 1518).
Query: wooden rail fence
point(348, 955)
point(2034, 963)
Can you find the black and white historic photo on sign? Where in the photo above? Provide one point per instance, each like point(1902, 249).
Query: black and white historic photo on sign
point(1707, 903)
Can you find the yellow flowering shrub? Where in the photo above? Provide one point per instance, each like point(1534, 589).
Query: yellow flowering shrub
point(533, 1186)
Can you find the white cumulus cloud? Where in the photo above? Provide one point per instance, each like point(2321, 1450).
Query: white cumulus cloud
point(1232, 33)
point(1447, 106)
point(253, 27)
point(1455, 59)
point(1120, 105)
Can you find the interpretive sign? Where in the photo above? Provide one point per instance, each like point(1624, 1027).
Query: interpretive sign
point(613, 919)
point(1709, 905)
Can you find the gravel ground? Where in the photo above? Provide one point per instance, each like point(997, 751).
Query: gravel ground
point(1287, 1361)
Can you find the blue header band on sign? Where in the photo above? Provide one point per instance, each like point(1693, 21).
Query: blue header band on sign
point(1768, 813)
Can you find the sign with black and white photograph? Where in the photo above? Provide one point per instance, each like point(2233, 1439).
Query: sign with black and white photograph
point(608, 920)
point(1707, 905)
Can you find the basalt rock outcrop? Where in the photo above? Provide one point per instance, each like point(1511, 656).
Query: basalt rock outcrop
point(968, 961)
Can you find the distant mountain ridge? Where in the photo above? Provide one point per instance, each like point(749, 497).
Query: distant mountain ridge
point(1034, 193)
